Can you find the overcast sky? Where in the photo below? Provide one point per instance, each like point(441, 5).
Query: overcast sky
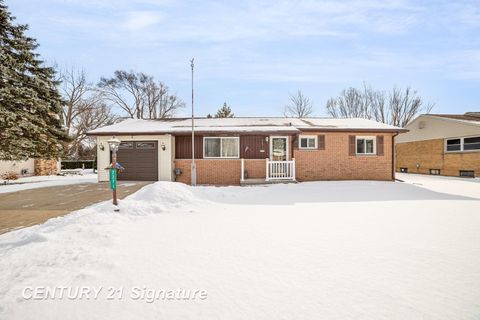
point(252, 54)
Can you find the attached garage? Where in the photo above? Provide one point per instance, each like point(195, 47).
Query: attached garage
point(140, 160)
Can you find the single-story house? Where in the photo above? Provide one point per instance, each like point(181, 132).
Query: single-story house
point(232, 151)
point(441, 144)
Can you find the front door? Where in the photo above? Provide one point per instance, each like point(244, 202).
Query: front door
point(278, 148)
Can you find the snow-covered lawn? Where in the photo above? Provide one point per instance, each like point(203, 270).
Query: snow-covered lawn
point(34, 182)
point(323, 250)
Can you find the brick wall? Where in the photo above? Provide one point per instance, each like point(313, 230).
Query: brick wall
point(334, 163)
point(211, 171)
point(45, 167)
point(430, 155)
point(255, 168)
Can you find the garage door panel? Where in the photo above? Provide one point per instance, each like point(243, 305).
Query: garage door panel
point(139, 163)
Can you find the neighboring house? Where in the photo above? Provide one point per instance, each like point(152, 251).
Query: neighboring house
point(444, 144)
point(39, 167)
point(231, 151)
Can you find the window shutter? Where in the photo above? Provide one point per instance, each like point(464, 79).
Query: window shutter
point(295, 139)
point(321, 142)
point(351, 145)
point(380, 151)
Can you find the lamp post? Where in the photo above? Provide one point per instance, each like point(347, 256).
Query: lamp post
point(113, 144)
point(193, 167)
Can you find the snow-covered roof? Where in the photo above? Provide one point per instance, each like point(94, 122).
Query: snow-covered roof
point(245, 124)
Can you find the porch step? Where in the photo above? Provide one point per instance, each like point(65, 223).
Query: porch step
point(253, 182)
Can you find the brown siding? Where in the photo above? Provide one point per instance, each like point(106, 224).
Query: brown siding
point(251, 147)
point(183, 147)
point(429, 154)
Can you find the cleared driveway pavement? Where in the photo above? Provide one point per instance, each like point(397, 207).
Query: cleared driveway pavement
point(29, 207)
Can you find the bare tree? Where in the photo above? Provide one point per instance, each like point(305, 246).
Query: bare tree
point(351, 103)
point(300, 106)
point(95, 114)
point(139, 95)
point(159, 102)
point(74, 88)
point(405, 105)
point(83, 110)
point(125, 90)
point(397, 107)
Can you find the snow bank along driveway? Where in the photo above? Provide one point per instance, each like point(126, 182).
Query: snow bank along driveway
point(324, 250)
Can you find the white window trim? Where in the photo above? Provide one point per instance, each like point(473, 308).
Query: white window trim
point(271, 146)
point(374, 138)
point(461, 144)
point(307, 137)
point(238, 147)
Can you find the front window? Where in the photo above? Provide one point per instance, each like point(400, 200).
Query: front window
point(463, 144)
point(365, 145)
point(472, 143)
point(454, 145)
point(221, 147)
point(308, 142)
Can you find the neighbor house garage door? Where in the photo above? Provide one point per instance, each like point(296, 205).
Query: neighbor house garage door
point(140, 160)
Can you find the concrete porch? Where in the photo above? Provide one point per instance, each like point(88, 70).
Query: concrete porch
point(260, 181)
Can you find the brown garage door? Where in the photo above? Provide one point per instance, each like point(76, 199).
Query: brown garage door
point(140, 160)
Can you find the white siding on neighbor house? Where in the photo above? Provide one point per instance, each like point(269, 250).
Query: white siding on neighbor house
point(427, 127)
point(17, 166)
point(165, 157)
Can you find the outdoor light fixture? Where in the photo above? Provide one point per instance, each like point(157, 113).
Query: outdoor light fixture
point(163, 146)
point(113, 144)
point(101, 146)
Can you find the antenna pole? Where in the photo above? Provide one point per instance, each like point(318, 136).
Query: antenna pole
point(193, 168)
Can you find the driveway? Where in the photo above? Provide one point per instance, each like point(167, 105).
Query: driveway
point(29, 207)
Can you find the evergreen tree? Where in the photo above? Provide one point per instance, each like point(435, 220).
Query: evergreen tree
point(30, 104)
point(224, 112)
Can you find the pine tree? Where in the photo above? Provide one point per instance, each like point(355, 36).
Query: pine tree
point(30, 104)
point(224, 112)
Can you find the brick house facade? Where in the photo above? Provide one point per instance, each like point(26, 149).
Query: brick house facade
point(237, 150)
point(440, 144)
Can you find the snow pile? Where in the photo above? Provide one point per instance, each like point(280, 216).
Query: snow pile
point(159, 197)
point(331, 250)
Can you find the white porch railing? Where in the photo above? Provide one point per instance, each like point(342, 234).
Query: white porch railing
point(280, 170)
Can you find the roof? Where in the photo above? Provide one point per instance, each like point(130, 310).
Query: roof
point(467, 116)
point(242, 124)
point(440, 126)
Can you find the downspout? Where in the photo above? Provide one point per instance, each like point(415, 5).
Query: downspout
point(393, 155)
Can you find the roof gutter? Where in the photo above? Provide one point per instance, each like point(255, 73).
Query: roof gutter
point(117, 133)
